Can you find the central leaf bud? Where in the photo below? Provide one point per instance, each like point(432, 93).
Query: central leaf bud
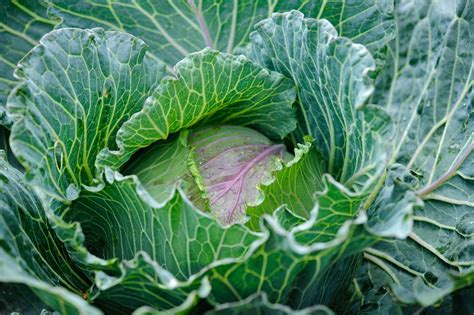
point(232, 162)
point(220, 168)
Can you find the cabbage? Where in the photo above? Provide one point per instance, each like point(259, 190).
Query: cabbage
point(236, 157)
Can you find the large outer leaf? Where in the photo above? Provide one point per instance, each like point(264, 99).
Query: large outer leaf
point(391, 213)
point(275, 265)
point(332, 285)
point(142, 282)
point(175, 28)
point(13, 299)
point(209, 87)
point(178, 236)
point(21, 283)
point(22, 23)
point(374, 298)
point(31, 255)
point(177, 252)
point(167, 250)
point(79, 87)
point(384, 219)
point(331, 75)
point(428, 91)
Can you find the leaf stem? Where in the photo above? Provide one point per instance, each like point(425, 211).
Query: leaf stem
point(202, 23)
point(376, 191)
point(378, 262)
point(21, 35)
point(32, 13)
point(398, 264)
point(449, 173)
point(414, 237)
point(230, 44)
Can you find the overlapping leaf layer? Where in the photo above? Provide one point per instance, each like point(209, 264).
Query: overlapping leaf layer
point(327, 169)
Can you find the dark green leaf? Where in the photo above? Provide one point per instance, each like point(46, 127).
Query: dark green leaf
point(79, 86)
point(427, 89)
point(165, 250)
point(22, 23)
point(391, 213)
point(58, 298)
point(209, 87)
point(332, 78)
point(173, 29)
point(13, 297)
point(329, 288)
point(31, 256)
point(176, 251)
point(169, 234)
point(275, 265)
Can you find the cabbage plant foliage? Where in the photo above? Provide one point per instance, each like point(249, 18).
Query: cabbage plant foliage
point(236, 157)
